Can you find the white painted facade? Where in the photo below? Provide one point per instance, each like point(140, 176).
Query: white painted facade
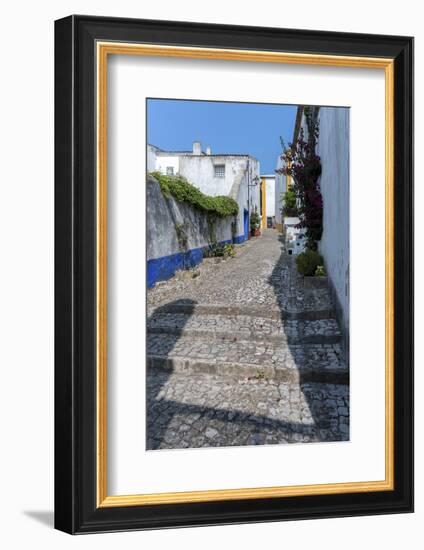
point(269, 180)
point(333, 148)
point(168, 164)
point(151, 157)
point(236, 176)
point(213, 175)
point(280, 189)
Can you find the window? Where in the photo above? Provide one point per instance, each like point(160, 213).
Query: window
point(219, 170)
point(169, 170)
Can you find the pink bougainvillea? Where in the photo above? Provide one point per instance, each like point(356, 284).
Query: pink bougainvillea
point(304, 166)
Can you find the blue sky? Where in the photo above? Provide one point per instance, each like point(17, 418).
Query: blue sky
point(243, 128)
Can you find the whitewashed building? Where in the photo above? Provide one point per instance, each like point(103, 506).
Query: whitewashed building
point(267, 200)
point(235, 176)
point(282, 184)
point(294, 236)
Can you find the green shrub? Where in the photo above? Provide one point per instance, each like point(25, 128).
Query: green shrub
point(308, 261)
point(217, 250)
point(229, 250)
point(255, 220)
point(290, 199)
point(183, 191)
point(290, 207)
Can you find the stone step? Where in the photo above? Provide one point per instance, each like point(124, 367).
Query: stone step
point(247, 359)
point(191, 308)
point(245, 327)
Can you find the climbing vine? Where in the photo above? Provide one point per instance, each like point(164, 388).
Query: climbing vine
point(303, 164)
point(183, 191)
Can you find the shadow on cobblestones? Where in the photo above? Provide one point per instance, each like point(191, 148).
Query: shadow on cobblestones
point(167, 418)
point(156, 425)
point(174, 424)
point(227, 367)
point(329, 412)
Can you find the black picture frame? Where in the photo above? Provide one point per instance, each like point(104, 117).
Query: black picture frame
point(76, 510)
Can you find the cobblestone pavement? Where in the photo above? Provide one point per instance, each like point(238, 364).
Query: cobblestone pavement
point(244, 327)
point(259, 275)
point(240, 353)
point(207, 410)
point(318, 362)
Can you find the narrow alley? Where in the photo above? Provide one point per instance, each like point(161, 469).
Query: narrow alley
point(241, 353)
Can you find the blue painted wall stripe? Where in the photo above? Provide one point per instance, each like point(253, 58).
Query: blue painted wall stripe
point(161, 269)
point(239, 239)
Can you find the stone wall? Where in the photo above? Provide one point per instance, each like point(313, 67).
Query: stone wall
point(165, 254)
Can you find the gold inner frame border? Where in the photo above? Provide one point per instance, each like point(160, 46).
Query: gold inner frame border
point(103, 50)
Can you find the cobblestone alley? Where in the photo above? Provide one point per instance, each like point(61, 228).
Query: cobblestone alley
point(240, 353)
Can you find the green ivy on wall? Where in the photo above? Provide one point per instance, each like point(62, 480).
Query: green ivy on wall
point(183, 191)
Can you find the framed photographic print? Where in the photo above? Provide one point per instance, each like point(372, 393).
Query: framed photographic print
point(234, 274)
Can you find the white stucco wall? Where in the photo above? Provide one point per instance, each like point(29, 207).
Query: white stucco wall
point(280, 189)
point(163, 213)
point(333, 148)
point(270, 195)
point(163, 161)
point(247, 197)
point(255, 191)
point(151, 158)
point(200, 171)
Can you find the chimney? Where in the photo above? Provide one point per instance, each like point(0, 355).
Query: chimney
point(197, 148)
point(208, 150)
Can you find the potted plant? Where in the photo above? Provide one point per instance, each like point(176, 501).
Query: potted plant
point(255, 223)
point(310, 264)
